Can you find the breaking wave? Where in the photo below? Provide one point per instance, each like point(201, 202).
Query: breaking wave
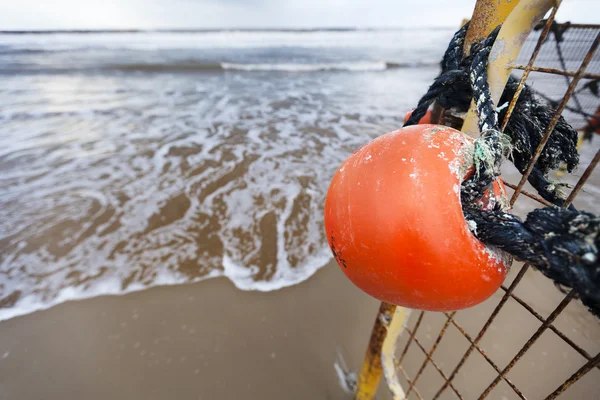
point(352, 66)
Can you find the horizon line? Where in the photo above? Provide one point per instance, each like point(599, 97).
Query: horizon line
point(207, 30)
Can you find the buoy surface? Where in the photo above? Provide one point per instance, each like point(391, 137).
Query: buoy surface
point(395, 225)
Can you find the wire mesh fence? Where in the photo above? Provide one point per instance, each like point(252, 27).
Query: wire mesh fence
point(530, 340)
point(561, 54)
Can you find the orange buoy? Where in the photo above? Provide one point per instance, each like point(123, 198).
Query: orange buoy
point(425, 120)
point(395, 225)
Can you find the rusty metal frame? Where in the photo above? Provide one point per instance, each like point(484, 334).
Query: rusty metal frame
point(429, 354)
point(559, 109)
point(592, 361)
point(556, 71)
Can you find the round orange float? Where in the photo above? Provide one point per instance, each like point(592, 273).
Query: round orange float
point(394, 222)
point(425, 120)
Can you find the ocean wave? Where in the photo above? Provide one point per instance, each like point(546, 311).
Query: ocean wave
point(134, 182)
point(11, 51)
point(351, 66)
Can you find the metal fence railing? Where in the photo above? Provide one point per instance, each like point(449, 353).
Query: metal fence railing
point(448, 355)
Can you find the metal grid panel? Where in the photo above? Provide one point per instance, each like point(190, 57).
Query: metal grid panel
point(563, 57)
point(580, 42)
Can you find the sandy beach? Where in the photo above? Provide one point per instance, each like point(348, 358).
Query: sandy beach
point(198, 341)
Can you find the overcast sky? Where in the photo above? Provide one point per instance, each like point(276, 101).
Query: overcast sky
point(149, 14)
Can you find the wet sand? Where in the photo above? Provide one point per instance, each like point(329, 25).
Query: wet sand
point(199, 341)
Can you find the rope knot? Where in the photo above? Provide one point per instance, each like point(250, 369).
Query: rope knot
point(490, 149)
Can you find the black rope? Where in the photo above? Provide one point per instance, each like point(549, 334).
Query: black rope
point(526, 127)
point(451, 76)
point(440, 85)
point(562, 243)
point(490, 142)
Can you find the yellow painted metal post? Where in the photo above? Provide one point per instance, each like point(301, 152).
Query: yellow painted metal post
point(515, 30)
point(371, 371)
point(488, 14)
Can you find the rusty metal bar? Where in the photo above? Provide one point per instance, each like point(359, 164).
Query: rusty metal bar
point(530, 342)
point(489, 360)
point(430, 353)
point(580, 26)
point(556, 116)
point(534, 55)
point(558, 333)
point(372, 370)
point(428, 356)
point(409, 382)
point(483, 330)
point(575, 377)
point(586, 174)
point(410, 339)
point(556, 71)
point(528, 194)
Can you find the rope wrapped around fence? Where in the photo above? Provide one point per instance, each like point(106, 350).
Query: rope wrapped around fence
point(561, 243)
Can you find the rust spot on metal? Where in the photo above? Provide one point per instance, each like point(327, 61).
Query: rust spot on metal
point(489, 360)
point(488, 14)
